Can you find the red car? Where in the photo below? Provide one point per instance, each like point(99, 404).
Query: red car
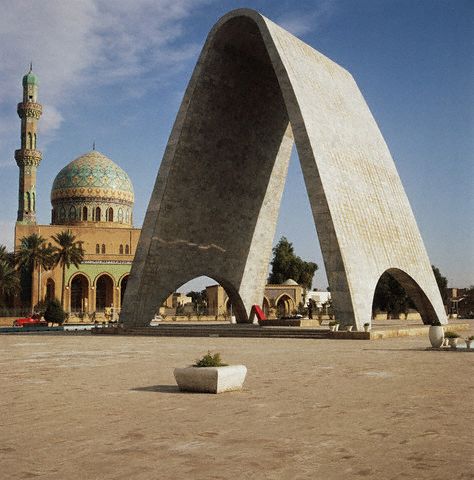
point(33, 320)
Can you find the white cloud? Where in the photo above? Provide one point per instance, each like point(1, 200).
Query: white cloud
point(77, 46)
point(299, 23)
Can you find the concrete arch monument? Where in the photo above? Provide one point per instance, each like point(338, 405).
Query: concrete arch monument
point(255, 90)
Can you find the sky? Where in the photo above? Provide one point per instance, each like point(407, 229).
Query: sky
point(115, 72)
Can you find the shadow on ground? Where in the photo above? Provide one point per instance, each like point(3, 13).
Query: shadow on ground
point(158, 388)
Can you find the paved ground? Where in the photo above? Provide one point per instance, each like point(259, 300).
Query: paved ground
point(85, 407)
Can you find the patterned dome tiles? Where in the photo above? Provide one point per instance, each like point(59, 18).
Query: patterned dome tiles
point(92, 174)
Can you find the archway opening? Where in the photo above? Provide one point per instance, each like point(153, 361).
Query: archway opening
point(295, 215)
point(79, 294)
point(398, 296)
point(285, 306)
point(202, 298)
point(104, 289)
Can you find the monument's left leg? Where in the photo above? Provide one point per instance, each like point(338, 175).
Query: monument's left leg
point(215, 204)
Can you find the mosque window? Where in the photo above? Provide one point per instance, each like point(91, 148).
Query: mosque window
point(110, 214)
point(121, 249)
point(50, 289)
point(127, 250)
point(72, 213)
point(30, 141)
point(97, 248)
point(28, 201)
point(120, 215)
point(97, 214)
point(84, 213)
point(127, 215)
point(34, 143)
point(103, 248)
point(62, 214)
point(34, 201)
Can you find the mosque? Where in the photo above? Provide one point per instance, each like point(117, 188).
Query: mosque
point(93, 198)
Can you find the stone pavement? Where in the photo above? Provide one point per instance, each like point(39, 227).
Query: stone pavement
point(106, 407)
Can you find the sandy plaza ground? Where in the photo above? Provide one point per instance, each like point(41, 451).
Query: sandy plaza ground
point(106, 407)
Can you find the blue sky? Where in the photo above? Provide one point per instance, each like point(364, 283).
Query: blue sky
point(115, 72)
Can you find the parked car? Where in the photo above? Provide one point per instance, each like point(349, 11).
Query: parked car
point(33, 320)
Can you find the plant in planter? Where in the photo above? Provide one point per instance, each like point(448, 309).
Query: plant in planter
point(436, 335)
point(210, 360)
point(453, 338)
point(210, 375)
point(366, 327)
point(469, 341)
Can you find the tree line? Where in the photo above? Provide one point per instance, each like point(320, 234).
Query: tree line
point(389, 295)
point(35, 254)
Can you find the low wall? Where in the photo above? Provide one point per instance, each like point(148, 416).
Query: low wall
point(7, 321)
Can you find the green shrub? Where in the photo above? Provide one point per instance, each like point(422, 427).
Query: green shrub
point(210, 360)
point(451, 335)
point(54, 312)
point(41, 307)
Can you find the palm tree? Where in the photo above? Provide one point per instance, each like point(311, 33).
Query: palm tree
point(69, 252)
point(4, 255)
point(35, 254)
point(9, 280)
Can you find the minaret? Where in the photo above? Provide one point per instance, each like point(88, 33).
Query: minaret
point(27, 157)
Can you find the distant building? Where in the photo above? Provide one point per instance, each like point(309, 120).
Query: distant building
point(278, 301)
point(320, 299)
point(461, 302)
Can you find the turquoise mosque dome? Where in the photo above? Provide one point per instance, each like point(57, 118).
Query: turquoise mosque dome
point(92, 188)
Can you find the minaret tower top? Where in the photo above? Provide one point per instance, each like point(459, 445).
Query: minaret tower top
point(28, 157)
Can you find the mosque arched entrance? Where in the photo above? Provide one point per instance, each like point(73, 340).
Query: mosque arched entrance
point(104, 296)
point(284, 306)
point(79, 294)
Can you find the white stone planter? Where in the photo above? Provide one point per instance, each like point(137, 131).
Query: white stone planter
point(210, 379)
point(436, 334)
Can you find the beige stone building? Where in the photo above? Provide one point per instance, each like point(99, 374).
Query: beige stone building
point(278, 301)
point(91, 196)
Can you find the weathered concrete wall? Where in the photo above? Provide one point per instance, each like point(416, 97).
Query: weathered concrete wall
point(214, 207)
